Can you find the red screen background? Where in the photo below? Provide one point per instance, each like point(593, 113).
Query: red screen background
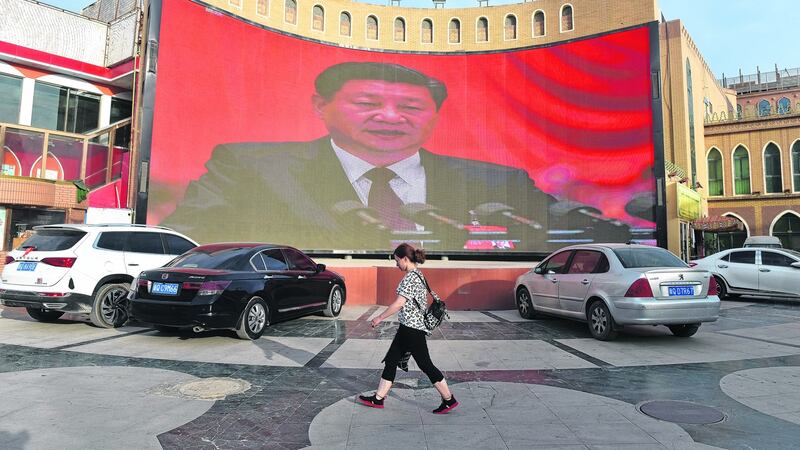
point(577, 116)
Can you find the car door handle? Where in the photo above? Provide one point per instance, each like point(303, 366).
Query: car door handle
point(301, 277)
point(723, 266)
point(763, 270)
point(585, 282)
point(133, 265)
point(554, 280)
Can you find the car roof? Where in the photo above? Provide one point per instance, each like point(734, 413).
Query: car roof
point(230, 245)
point(104, 227)
point(610, 246)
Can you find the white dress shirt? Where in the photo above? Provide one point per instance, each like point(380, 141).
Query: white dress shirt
point(408, 184)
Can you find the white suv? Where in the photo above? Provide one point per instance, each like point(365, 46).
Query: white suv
point(84, 269)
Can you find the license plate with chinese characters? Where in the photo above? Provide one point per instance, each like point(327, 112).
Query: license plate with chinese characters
point(164, 288)
point(680, 291)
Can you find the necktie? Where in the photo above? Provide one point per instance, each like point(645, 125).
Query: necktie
point(385, 201)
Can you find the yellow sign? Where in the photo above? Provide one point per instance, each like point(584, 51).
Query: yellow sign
point(688, 203)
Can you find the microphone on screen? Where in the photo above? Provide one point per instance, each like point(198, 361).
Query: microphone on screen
point(493, 209)
point(357, 211)
point(429, 215)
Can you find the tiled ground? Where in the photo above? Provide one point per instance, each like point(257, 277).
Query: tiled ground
point(523, 384)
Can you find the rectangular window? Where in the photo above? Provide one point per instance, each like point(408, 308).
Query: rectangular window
point(64, 109)
point(10, 98)
point(746, 257)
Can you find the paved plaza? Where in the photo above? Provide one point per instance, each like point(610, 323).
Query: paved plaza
point(521, 384)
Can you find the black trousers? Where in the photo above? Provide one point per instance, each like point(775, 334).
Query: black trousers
point(410, 340)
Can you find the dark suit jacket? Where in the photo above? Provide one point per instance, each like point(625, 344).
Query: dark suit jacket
point(283, 193)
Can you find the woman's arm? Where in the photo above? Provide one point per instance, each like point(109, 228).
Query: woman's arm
point(399, 302)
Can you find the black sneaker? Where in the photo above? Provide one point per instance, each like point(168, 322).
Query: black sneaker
point(371, 401)
point(446, 406)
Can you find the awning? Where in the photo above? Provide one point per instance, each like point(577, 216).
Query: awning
point(718, 223)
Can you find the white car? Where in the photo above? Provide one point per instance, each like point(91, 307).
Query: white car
point(613, 285)
point(84, 269)
point(773, 272)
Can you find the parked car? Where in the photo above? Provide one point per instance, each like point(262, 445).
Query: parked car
point(243, 287)
point(85, 269)
point(613, 285)
point(763, 241)
point(772, 272)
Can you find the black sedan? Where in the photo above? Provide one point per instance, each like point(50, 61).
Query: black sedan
point(243, 287)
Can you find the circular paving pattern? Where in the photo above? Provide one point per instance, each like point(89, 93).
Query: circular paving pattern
point(681, 412)
point(494, 415)
point(213, 388)
point(771, 390)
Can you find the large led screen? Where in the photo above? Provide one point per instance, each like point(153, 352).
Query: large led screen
point(263, 136)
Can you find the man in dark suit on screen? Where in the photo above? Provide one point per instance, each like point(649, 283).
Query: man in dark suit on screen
point(368, 182)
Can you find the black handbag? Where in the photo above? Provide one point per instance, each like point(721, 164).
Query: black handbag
point(436, 312)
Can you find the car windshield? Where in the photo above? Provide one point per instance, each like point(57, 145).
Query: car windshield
point(224, 259)
point(794, 253)
point(52, 240)
point(647, 257)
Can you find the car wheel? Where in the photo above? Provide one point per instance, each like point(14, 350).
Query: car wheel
point(110, 306)
point(525, 304)
point(254, 320)
point(684, 330)
point(722, 290)
point(335, 302)
point(601, 324)
point(44, 316)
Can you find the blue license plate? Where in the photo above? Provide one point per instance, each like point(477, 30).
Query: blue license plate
point(164, 288)
point(680, 291)
point(26, 266)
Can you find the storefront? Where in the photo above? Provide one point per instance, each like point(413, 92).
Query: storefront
point(688, 202)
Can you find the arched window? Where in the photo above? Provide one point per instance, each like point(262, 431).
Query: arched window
point(764, 108)
point(784, 106)
point(290, 11)
point(427, 31)
point(796, 165)
point(399, 30)
point(738, 111)
point(318, 16)
point(741, 171)
point(482, 30)
point(566, 18)
point(772, 169)
point(715, 172)
point(510, 28)
point(372, 28)
point(345, 24)
point(787, 229)
point(262, 7)
point(538, 23)
point(454, 32)
point(690, 105)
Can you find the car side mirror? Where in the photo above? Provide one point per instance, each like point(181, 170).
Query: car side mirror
point(320, 268)
point(538, 270)
point(796, 265)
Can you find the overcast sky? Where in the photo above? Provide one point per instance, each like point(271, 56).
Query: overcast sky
point(731, 34)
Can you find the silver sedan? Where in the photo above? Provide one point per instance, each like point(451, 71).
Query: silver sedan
point(771, 272)
point(613, 285)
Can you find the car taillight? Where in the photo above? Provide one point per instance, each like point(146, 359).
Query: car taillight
point(207, 287)
point(640, 288)
point(9, 259)
point(713, 287)
point(60, 262)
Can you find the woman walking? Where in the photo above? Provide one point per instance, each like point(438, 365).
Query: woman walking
point(411, 302)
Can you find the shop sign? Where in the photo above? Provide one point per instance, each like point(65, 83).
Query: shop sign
point(688, 203)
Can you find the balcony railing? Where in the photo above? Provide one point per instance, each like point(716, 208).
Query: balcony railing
point(96, 158)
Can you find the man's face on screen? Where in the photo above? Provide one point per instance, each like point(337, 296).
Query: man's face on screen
point(379, 118)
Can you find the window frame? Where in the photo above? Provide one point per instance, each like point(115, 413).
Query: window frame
point(561, 18)
point(488, 33)
point(377, 28)
point(749, 168)
point(458, 21)
point(597, 263)
point(344, 12)
point(394, 29)
point(516, 28)
point(422, 30)
point(764, 167)
point(721, 171)
point(129, 241)
point(533, 24)
point(313, 10)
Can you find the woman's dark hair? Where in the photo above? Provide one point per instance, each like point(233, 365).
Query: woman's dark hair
point(415, 255)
